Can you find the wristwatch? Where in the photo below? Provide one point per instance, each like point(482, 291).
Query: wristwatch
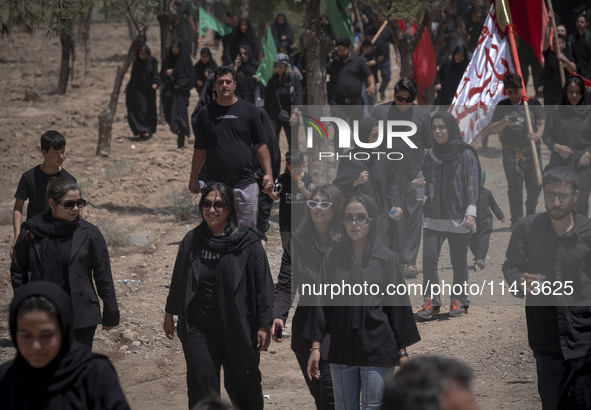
point(403, 354)
point(314, 348)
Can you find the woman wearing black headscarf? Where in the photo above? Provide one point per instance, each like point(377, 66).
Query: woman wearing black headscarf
point(452, 177)
point(140, 97)
point(51, 369)
point(369, 334)
point(221, 291)
point(316, 234)
point(246, 66)
point(178, 76)
point(568, 136)
point(203, 68)
point(282, 32)
point(450, 74)
point(243, 34)
point(63, 248)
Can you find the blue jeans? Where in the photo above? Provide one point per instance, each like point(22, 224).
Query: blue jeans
point(386, 74)
point(352, 383)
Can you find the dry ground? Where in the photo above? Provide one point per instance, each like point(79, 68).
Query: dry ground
point(136, 196)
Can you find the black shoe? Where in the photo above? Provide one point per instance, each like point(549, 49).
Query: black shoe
point(427, 311)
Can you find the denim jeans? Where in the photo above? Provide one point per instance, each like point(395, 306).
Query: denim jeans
point(358, 387)
point(385, 73)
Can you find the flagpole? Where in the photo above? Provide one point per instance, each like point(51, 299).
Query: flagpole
point(556, 43)
point(524, 98)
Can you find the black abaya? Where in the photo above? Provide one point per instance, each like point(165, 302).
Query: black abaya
point(140, 97)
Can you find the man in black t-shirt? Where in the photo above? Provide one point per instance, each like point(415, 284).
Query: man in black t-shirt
point(510, 122)
point(33, 183)
point(228, 134)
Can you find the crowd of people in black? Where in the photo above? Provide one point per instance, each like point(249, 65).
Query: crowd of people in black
point(365, 226)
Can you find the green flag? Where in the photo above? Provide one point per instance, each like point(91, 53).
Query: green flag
point(339, 19)
point(265, 70)
point(207, 21)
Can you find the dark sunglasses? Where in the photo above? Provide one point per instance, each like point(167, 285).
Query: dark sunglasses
point(401, 99)
point(71, 204)
point(324, 205)
point(359, 220)
point(219, 206)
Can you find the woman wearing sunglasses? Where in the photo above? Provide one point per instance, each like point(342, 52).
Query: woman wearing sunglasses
point(369, 332)
point(318, 231)
point(61, 247)
point(221, 291)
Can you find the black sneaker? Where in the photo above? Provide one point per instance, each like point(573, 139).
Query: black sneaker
point(479, 264)
point(457, 309)
point(427, 311)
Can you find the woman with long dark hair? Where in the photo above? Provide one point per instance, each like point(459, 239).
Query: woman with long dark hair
point(368, 334)
point(316, 234)
point(221, 291)
point(178, 76)
point(140, 94)
point(452, 177)
point(51, 369)
point(568, 136)
point(61, 247)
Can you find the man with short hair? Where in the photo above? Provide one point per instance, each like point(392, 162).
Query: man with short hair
point(430, 383)
point(405, 233)
point(509, 120)
point(581, 43)
point(228, 134)
point(550, 254)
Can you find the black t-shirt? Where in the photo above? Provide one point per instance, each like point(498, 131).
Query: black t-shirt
point(291, 201)
point(203, 308)
point(229, 134)
point(32, 186)
point(373, 55)
point(516, 135)
point(346, 79)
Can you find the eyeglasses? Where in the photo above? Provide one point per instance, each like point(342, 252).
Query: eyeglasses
point(359, 219)
point(562, 197)
point(219, 206)
point(70, 204)
point(401, 99)
point(324, 205)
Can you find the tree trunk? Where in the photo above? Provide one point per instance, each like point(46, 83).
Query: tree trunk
point(316, 89)
point(131, 29)
point(165, 19)
point(66, 43)
point(106, 117)
point(85, 34)
point(105, 9)
point(407, 42)
point(406, 56)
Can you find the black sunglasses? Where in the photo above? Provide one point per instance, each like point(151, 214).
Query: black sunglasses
point(401, 99)
point(359, 219)
point(219, 206)
point(70, 204)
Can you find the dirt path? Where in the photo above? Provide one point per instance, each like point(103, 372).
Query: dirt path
point(136, 198)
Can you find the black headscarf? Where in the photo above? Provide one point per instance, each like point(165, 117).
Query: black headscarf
point(242, 355)
point(184, 73)
point(51, 231)
point(140, 66)
point(32, 387)
point(284, 29)
point(449, 153)
point(238, 39)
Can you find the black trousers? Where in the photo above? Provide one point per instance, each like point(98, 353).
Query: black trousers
point(85, 335)
point(265, 206)
point(479, 241)
point(278, 125)
point(552, 377)
point(321, 389)
point(205, 353)
point(582, 204)
point(519, 169)
point(458, 253)
point(405, 234)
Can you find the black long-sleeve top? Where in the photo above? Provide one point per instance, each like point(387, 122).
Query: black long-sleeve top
point(557, 326)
